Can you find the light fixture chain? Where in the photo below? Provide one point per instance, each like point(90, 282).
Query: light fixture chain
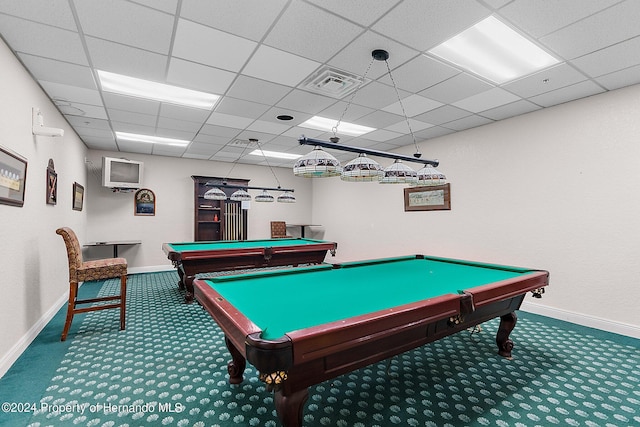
point(353, 95)
point(404, 113)
point(268, 164)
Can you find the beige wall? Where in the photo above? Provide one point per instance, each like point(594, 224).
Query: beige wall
point(555, 189)
point(33, 259)
point(111, 217)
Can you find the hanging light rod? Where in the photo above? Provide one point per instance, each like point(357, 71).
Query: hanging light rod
point(244, 187)
point(326, 144)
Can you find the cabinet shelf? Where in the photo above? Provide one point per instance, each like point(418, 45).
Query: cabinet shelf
point(206, 228)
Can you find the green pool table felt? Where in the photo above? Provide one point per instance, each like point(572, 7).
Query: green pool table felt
point(283, 301)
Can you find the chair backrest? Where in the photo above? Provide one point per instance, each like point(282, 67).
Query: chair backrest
point(74, 253)
point(278, 228)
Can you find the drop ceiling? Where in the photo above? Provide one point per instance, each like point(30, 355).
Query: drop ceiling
point(261, 55)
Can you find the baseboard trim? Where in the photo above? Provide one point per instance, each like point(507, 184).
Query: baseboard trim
point(16, 351)
point(582, 319)
point(150, 269)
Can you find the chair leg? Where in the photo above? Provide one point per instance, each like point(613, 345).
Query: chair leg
point(123, 300)
point(71, 305)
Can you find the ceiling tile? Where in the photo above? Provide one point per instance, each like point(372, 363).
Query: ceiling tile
point(268, 127)
point(412, 106)
point(381, 135)
point(443, 114)
point(298, 117)
point(133, 118)
point(229, 120)
point(129, 24)
point(626, 77)
point(545, 81)
point(81, 110)
point(420, 73)
point(59, 72)
point(363, 12)
point(486, 100)
point(436, 21)
point(129, 61)
point(377, 95)
point(612, 25)
point(250, 18)
point(179, 112)
point(611, 59)
point(402, 127)
point(128, 103)
point(181, 125)
point(168, 6)
point(42, 40)
point(311, 103)
point(456, 88)
point(313, 33)
point(219, 131)
point(256, 90)
point(51, 12)
point(241, 108)
point(579, 90)
point(279, 67)
point(510, 110)
point(199, 77)
point(357, 57)
point(194, 42)
point(540, 21)
point(71, 93)
point(379, 119)
point(467, 122)
point(349, 112)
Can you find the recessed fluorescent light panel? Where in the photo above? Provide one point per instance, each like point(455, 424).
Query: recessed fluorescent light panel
point(140, 88)
point(322, 123)
point(495, 51)
point(151, 139)
point(275, 154)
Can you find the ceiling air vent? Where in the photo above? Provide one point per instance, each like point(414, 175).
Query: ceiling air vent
point(244, 143)
point(333, 82)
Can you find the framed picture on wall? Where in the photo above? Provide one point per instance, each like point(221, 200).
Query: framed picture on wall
point(78, 196)
point(145, 202)
point(13, 176)
point(432, 198)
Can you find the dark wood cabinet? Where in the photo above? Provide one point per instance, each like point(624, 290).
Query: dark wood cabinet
point(218, 219)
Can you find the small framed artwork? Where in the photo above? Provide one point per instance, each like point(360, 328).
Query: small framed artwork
point(13, 177)
point(78, 196)
point(52, 184)
point(427, 198)
point(145, 202)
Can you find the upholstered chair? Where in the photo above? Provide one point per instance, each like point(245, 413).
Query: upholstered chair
point(279, 230)
point(84, 271)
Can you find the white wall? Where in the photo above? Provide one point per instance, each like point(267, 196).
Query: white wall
point(111, 215)
point(556, 189)
point(33, 259)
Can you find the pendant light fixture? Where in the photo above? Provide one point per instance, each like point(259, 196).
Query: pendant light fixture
point(215, 194)
point(320, 164)
point(317, 164)
point(362, 169)
point(430, 176)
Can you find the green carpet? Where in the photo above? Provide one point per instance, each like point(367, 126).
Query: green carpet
point(169, 368)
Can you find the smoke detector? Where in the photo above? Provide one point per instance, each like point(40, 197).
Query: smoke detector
point(333, 82)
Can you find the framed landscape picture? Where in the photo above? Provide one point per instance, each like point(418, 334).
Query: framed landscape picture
point(13, 176)
point(432, 198)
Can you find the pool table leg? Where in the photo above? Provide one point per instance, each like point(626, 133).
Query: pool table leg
point(507, 323)
point(188, 285)
point(289, 408)
point(237, 364)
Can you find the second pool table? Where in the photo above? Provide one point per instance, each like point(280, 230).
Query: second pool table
point(191, 258)
point(302, 326)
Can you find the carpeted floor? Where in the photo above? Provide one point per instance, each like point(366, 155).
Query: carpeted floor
point(169, 368)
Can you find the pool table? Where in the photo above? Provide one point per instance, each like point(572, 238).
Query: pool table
point(302, 326)
point(191, 258)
